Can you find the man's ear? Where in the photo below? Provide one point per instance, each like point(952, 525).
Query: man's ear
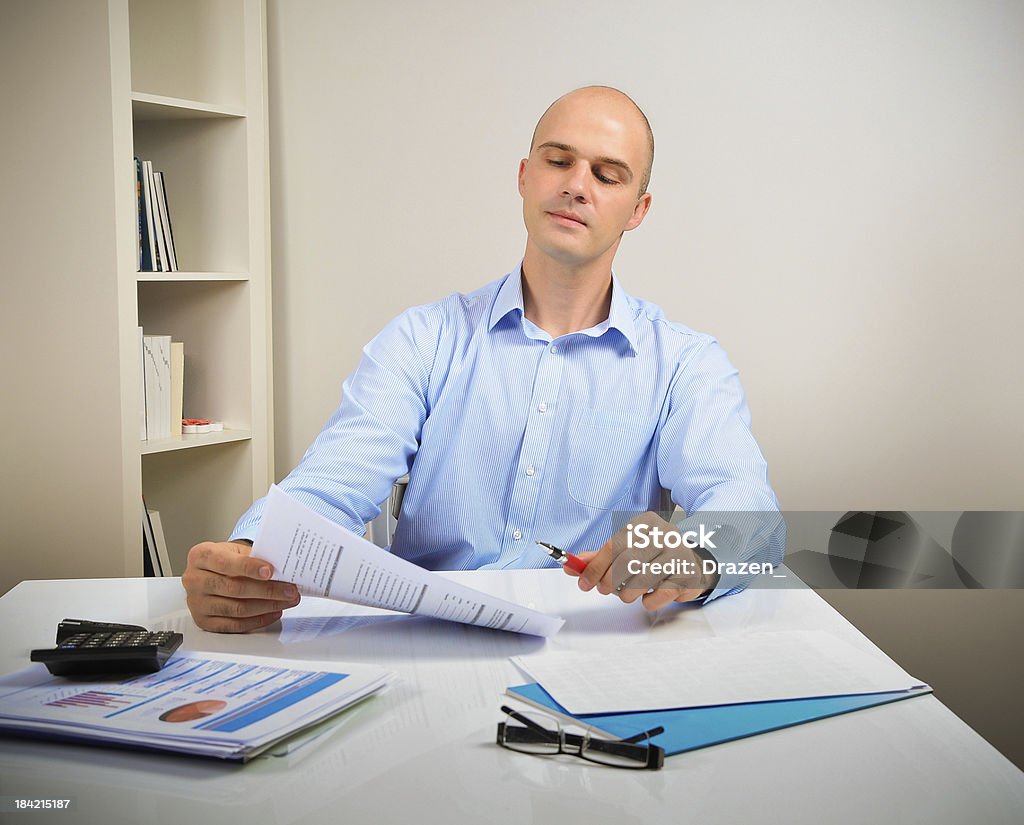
point(639, 211)
point(522, 169)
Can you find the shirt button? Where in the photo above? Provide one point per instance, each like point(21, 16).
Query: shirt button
point(554, 347)
point(530, 471)
point(517, 534)
point(543, 407)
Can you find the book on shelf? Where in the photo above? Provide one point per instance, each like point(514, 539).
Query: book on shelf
point(156, 355)
point(145, 247)
point(159, 544)
point(147, 208)
point(142, 387)
point(150, 555)
point(165, 221)
point(177, 386)
point(161, 386)
point(156, 251)
point(158, 230)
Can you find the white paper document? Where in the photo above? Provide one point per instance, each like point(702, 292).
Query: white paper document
point(723, 670)
point(231, 707)
point(325, 559)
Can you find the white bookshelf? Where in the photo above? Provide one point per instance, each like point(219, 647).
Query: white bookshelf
point(181, 83)
point(202, 121)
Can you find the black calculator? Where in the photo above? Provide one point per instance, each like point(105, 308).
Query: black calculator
point(87, 648)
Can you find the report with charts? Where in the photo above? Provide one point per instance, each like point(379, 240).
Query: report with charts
point(221, 705)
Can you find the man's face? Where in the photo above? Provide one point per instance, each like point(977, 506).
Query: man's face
point(580, 185)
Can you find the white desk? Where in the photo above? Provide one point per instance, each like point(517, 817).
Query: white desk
point(425, 751)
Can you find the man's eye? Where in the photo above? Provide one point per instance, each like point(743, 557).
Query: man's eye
point(556, 162)
point(605, 178)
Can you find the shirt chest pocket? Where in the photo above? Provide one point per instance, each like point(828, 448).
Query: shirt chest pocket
point(604, 456)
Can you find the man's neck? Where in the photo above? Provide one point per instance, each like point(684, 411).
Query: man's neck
point(561, 299)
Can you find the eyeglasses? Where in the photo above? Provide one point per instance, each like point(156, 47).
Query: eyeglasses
point(540, 734)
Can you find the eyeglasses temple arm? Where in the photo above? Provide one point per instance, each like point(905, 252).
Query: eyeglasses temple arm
point(645, 735)
point(526, 720)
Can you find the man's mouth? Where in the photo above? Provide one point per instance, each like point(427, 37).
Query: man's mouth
point(568, 217)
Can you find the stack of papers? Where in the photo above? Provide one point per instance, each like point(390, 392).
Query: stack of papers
point(707, 691)
point(224, 706)
point(723, 670)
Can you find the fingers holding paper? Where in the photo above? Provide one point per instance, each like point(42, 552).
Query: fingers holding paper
point(230, 591)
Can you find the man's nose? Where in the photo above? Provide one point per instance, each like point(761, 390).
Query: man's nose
point(577, 182)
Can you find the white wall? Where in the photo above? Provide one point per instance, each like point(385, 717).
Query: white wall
point(837, 197)
point(63, 474)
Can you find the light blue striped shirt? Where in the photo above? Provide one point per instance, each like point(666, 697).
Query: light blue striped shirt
point(509, 436)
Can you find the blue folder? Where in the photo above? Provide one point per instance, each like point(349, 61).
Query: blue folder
point(687, 729)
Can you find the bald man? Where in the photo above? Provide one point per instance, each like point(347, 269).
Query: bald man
point(547, 405)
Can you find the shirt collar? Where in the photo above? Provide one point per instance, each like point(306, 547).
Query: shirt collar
point(621, 314)
point(509, 297)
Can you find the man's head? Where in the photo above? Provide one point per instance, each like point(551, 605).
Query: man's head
point(596, 92)
point(585, 181)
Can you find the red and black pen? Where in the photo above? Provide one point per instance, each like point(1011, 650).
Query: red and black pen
point(563, 558)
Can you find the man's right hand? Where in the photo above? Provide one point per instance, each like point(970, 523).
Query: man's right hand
point(230, 591)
